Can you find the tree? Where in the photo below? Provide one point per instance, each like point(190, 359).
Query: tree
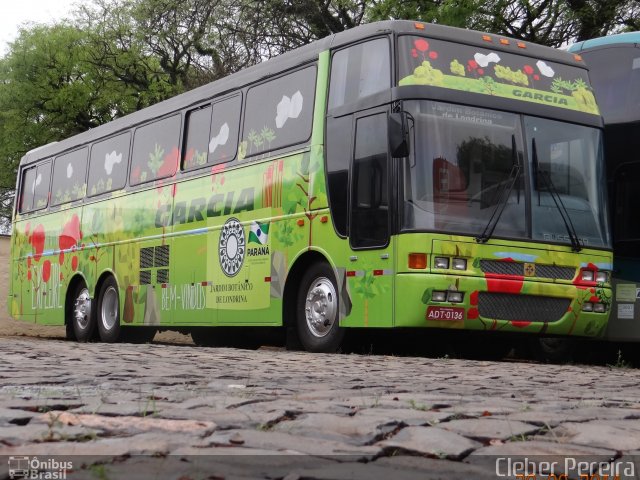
point(46, 94)
point(547, 22)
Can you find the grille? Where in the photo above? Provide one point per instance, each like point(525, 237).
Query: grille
point(505, 306)
point(146, 257)
point(502, 268)
point(162, 276)
point(553, 271)
point(517, 268)
point(145, 277)
point(162, 256)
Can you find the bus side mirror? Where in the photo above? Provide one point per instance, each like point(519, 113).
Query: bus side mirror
point(398, 135)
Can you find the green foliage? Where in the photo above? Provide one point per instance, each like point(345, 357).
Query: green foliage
point(155, 159)
point(457, 68)
point(513, 76)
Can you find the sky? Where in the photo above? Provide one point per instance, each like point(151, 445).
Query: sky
point(13, 13)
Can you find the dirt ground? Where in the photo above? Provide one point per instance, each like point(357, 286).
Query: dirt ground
point(14, 328)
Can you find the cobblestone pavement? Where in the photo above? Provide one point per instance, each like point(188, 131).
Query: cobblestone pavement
point(183, 412)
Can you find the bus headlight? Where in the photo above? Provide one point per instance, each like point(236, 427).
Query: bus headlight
point(459, 264)
point(455, 297)
point(438, 296)
point(441, 262)
point(587, 275)
point(599, 308)
point(602, 277)
point(587, 307)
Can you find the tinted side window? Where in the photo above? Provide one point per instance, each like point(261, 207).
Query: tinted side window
point(338, 159)
point(108, 165)
point(155, 150)
point(27, 189)
point(197, 127)
point(225, 125)
point(370, 196)
point(69, 174)
point(358, 71)
point(35, 188)
point(279, 113)
point(41, 190)
point(615, 73)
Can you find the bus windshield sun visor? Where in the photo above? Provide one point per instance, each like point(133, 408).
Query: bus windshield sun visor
point(503, 195)
point(545, 177)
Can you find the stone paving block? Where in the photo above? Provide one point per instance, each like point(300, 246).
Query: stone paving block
point(621, 435)
point(554, 417)
point(335, 427)
point(490, 428)
point(128, 425)
point(279, 441)
point(41, 432)
point(14, 416)
point(495, 406)
point(432, 441)
point(409, 417)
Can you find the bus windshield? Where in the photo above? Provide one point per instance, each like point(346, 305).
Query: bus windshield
point(462, 172)
point(615, 74)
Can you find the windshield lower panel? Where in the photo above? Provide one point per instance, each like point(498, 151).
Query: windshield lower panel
point(471, 164)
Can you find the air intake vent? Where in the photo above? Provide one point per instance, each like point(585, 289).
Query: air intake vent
point(162, 276)
point(145, 277)
point(146, 257)
point(162, 256)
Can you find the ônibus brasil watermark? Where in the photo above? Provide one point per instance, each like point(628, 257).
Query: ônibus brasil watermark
point(38, 469)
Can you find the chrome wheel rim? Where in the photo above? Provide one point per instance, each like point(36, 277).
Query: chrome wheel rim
point(321, 306)
point(109, 308)
point(82, 309)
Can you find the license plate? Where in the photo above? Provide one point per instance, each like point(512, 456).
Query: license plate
point(445, 313)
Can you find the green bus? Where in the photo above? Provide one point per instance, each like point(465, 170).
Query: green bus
point(398, 174)
point(614, 64)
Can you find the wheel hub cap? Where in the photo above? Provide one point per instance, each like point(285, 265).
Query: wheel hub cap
point(321, 307)
point(109, 308)
point(82, 309)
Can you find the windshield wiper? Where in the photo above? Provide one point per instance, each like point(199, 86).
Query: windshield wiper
point(544, 175)
point(507, 187)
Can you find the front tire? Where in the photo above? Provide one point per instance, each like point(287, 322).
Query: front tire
point(83, 320)
point(108, 311)
point(317, 310)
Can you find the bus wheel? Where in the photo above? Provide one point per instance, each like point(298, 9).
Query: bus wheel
point(109, 311)
point(317, 310)
point(552, 349)
point(82, 317)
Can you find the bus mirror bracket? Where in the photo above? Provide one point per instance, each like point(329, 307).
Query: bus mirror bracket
point(398, 135)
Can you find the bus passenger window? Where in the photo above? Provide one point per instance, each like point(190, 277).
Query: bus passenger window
point(155, 150)
point(108, 164)
point(225, 126)
point(69, 174)
point(35, 188)
point(358, 71)
point(278, 113)
point(197, 129)
point(27, 189)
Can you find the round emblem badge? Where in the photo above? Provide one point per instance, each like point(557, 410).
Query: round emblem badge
point(231, 247)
